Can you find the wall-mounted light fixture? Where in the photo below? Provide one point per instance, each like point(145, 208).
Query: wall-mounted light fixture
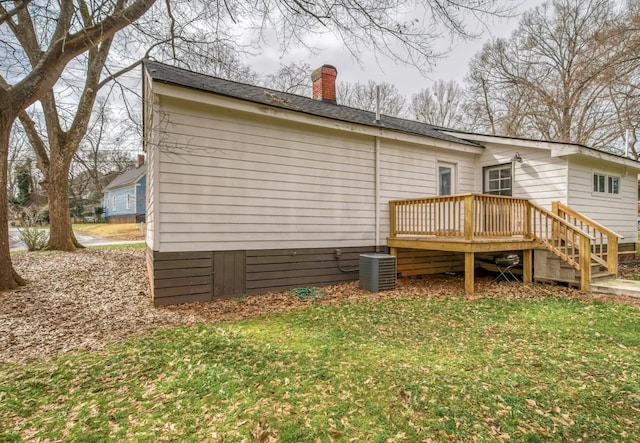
point(517, 158)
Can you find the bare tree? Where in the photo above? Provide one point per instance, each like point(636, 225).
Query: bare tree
point(102, 154)
point(440, 105)
point(43, 37)
point(66, 125)
point(551, 79)
point(292, 78)
point(624, 91)
point(624, 95)
point(18, 150)
point(364, 96)
point(48, 52)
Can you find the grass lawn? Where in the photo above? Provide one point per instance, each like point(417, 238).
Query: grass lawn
point(123, 231)
point(448, 369)
point(138, 245)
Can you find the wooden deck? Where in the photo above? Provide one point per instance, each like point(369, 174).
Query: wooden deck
point(474, 223)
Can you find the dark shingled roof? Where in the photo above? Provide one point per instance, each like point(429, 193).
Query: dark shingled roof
point(181, 77)
point(128, 177)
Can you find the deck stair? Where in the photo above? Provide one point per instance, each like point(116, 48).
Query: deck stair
point(550, 268)
point(579, 250)
point(600, 263)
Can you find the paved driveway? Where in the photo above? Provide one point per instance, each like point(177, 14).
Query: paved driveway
point(14, 239)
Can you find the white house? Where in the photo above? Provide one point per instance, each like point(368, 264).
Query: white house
point(251, 190)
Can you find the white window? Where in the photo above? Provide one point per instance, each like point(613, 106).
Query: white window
point(614, 185)
point(599, 183)
point(113, 203)
point(446, 179)
point(606, 184)
point(497, 179)
point(128, 201)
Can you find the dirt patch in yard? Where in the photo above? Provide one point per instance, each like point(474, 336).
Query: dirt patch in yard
point(86, 299)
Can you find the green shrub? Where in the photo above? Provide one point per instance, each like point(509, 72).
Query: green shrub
point(99, 212)
point(34, 239)
point(308, 293)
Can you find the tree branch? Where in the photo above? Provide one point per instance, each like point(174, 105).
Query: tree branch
point(65, 47)
point(6, 15)
point(40, 149)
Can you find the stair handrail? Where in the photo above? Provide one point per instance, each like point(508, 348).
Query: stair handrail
point(577, 248)
point(588, 221)
point(597, 248)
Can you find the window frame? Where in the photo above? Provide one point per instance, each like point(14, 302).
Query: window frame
point(128, 201)
point(453, 179)
point(606, 184)
point(500, 191)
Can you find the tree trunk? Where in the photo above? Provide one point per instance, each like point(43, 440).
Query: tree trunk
point(61, 236)
point(9, 278)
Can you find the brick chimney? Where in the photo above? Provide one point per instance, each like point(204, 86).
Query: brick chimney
point(140, 160)
point(324, 83)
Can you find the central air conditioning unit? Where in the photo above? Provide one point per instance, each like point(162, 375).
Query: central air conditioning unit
point(377, 272)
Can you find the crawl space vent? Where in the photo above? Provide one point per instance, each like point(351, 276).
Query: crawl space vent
point(377, 272)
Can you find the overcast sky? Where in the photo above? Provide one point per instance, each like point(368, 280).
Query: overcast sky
point(407, 79)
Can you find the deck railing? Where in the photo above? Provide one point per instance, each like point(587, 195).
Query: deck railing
point(434, 216)
point(499, 216)
point(476, 216)
point(465, 216)
point(604, 247)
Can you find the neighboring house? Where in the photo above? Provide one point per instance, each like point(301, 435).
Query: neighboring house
point(252, 190)
point(124, 198)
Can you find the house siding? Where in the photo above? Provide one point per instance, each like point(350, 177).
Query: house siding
point(120, 196)
point(140, 196)
point(150, 142)
point(180, 277)
point(410, 171)
point(273, 270)
point(617, 212)
point(538, 177)
point(150, 198)
point(230, 186)
point(231, 181)
point(120, 212)
point(184, 277)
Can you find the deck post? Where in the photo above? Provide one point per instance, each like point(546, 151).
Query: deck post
point(527, 265)
point(555, 209)
point(392, 218)
point(468, 217)
point(612, 254)
point(469, 271)
point(585, 263)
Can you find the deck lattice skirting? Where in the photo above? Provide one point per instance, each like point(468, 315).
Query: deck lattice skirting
point(473, 223)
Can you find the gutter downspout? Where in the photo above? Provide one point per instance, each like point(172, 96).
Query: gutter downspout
point(377, 173)
point(377, 192)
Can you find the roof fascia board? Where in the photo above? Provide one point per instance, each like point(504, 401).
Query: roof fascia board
point(600, 155)
point(556, 149)
point(515, 142)
point(210, 98)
